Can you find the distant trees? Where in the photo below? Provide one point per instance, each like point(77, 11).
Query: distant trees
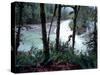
point(30, 13)
point(44, 33)
point(92, 41)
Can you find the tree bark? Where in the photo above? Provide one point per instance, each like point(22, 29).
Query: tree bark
point(76, 9)
point(44, 33)
point(19, 27)
point(52, 21)
point(95, 32)
point(58, 28)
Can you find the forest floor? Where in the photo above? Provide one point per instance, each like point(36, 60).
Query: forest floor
point(53, 67)
point(57, 67)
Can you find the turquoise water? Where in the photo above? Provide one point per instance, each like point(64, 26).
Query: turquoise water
point(31, 38)
point(34, 39)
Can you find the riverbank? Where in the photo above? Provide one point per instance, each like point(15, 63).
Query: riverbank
point(37, 27)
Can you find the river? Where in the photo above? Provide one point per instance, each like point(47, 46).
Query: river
point(33, 37)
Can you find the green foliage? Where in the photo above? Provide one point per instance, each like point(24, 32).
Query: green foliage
point(85, 15)
point(25, 59)
point(67, 56)
point(31, 12)
point(60, 56)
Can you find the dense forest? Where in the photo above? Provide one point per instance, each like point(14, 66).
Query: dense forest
point(52, 37)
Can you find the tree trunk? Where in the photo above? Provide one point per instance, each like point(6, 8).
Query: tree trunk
point(58, 28)
point(52, 21)
point(44, 33)
point(19, 27)
point(95, 32)
point(76, 9)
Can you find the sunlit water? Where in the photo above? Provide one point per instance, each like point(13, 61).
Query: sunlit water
point(31, 38)
point(65, 32)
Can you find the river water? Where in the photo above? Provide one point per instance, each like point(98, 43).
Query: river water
point(34, 38)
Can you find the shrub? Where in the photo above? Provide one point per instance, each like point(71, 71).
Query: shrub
point(61, 56)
